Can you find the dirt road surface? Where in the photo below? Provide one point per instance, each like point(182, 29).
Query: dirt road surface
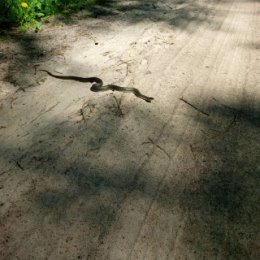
point(106, 175)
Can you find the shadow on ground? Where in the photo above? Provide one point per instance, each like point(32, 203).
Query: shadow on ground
point(218, 196)
point(34, 48)
point(82, 181)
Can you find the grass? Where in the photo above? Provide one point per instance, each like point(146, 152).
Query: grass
point(31, 13)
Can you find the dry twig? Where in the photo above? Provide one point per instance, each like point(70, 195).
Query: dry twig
point(119, 110)
point(227, 129)
point(151, 141)
point(46, 111)
point(19, 165)
point(196, 157)
point(198, 109)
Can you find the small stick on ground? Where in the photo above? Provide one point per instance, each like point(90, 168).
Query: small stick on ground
point(227, 129)
point(13, 98)
point(151, 141)
point(20, 88)
point(46, 111)
point(119, 110)
point(226, 106)
point(81, 112)
point(82, 109)
point(35, 68)
point(198, 109)
point(195, 157)
point(128, 64)
point(19, 165)
point(91, 38)
point(191, 148)
point(49, 109)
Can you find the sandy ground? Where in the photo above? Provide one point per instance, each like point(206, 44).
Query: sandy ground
point(87, 175)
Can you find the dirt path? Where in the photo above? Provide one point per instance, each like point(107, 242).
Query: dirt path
point(106, 175)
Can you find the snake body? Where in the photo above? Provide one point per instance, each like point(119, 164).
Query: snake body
point(98, 85)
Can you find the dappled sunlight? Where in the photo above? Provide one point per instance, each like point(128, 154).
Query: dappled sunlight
point(88, 175)
point(75, 175)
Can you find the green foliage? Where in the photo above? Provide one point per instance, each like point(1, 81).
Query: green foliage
point(29, 13)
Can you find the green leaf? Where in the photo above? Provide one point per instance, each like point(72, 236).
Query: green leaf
point(40, 14)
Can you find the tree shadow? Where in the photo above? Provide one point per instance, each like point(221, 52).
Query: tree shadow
point(218, 196)
point(80, 177)
point(177, 14)
point(226, 198)
point(36, 48)
point(22, 58)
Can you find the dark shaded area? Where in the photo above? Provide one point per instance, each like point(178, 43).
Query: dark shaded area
point(25, 53)
point(252, 45)
point(175, 13)
point(8, 14)
point(221, 202)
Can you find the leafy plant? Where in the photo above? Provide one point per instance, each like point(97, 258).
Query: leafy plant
point(29, 13)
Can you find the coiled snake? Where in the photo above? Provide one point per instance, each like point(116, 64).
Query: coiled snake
point(98, 85)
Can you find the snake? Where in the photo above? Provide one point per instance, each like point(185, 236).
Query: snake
point(98, 85)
